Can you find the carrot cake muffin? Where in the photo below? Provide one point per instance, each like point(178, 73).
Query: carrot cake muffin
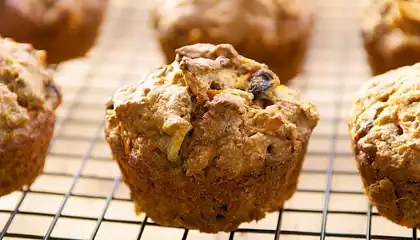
point(209, 141)
point(275, 32)
point(385, 133)
point(65, 29)
point(28, 98)
point(391, 34)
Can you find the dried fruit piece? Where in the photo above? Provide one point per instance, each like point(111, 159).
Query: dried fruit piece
point(260, 83)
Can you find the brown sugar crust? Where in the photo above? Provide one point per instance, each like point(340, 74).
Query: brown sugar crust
point(257, 29)
point(385, 132)
point(28, 97)
point(209, 141)
point(391, 34)
point(65, 29)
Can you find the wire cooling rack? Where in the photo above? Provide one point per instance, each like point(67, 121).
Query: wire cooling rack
point(80, 194)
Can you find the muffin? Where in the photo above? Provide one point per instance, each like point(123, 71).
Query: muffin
point(275, 32)
point(65, 29)
point(209, 141)
point(391, 34)
point(385, 133)
point(28, 97)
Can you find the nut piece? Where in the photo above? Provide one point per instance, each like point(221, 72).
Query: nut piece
point(198, 150)
point(385, 132)
point(28, 98)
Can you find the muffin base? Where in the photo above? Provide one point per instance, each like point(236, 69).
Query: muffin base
point(171, 198)
point(385, 193)
point(380, 64)
point(76, 37)
point(22, 158)
point(285, 60)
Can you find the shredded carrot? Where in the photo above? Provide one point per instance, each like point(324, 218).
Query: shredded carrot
point(211, 93)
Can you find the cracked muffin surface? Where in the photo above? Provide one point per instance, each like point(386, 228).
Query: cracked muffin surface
point(258, 29)
point(385, 133)
point(28, 99)
point(209, 141)
point(391, 33)
point(65, 29)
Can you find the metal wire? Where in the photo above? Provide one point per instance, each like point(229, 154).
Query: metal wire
point(15, 211)
point(143, 225)
point(278, 227)
point(232, 235)
point(125, 23)
point(184, 237)
point(103, 212)
point(76, 177)
point(369, 223)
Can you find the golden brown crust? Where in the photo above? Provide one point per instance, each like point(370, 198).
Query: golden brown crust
point(28, 98)
point(22, 157)
point(391, 34)
point(257, 29)
point(210, 141)
point(385, 133)
point(65, 29)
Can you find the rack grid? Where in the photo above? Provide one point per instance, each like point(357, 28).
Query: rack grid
point(81, 196)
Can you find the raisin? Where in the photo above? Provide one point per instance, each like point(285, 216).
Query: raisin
point(224, 207)
point(215, 86)
point(269, 149)
point(362, 132)
point(260, 82)
point(54, 88)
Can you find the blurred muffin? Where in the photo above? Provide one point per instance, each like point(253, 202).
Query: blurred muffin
point(28, 97)
point(391, 34)
point(209, 141)
point(65, 29)
point(385, 133)
point(275, 32)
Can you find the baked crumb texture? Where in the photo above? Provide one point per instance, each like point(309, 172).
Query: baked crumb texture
point(28, 97)
point(209, 141)
point(385, 132)
point(65, 29)
point(258, 29)
point(391, 34)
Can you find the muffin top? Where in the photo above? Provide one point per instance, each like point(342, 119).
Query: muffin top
point(26, 85)
point(385, 123)
point(231, 21)
point(394, 23)
point(212, 101)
